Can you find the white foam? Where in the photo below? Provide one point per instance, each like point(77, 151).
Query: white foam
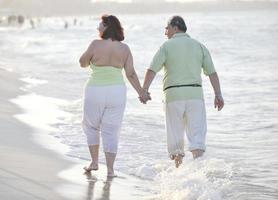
point(42, 111)
point(146, 171)
point(3, 67)
point(32, 82)
point(202, 179)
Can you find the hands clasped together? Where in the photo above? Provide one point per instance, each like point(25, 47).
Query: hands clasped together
point(144, 96)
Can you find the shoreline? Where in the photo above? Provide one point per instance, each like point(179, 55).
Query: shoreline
point(29, 170)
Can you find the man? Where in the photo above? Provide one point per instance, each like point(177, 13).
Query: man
point(183, 59)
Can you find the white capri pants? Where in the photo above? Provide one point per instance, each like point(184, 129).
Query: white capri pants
point(185, 116)
point(103, 111)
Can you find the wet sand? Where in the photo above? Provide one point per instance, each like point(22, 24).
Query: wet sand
point(30, 171)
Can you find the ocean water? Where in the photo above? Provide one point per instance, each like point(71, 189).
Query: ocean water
point(241, 161)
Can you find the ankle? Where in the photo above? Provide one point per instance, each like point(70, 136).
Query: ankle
point(110, 170)
point(94, 163)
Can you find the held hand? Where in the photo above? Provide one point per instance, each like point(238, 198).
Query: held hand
point(218, 102)
point(144, 96)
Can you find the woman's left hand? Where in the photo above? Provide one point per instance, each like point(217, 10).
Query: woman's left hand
point(144, 96)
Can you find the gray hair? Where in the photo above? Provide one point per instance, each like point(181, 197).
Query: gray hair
point(178, 22)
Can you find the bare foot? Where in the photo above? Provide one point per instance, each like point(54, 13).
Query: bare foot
point(172, 157)
point(197, 153)
point(178, 160)
point(111, 175)
point(91, 167)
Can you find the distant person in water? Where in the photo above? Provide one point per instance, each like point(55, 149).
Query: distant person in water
point(66, 25)
point(32, 23)
point(20, 19)
point(12, 19)
point(105, 91)
point(183, 59)
point(74, 21)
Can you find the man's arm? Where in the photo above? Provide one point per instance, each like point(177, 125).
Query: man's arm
point(156, 65)
point(218, 101)
point(149, 76)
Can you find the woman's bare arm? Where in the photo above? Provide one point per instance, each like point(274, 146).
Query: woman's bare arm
point(131, 74)
point(87, 56)
point(133, 79)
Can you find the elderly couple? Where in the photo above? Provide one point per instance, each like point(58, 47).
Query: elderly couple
point(182, 58)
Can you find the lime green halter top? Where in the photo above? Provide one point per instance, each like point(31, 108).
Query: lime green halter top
point(105, 75)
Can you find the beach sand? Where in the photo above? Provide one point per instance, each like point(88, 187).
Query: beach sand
point(30, 171)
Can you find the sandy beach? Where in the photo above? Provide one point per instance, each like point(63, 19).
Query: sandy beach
point(29, 171)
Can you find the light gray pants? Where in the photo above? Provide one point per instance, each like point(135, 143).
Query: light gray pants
point(103, 113)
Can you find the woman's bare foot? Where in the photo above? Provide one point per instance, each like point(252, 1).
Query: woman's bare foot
point(111, 175)
point(91, 167)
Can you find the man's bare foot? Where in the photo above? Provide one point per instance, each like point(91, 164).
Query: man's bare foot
point(178, 160)
point(172, 157)
point(91, 167)
point(197, 153)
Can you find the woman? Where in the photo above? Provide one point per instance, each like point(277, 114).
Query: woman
point(105, 92)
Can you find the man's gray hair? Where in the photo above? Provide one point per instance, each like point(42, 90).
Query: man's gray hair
point(178, 22)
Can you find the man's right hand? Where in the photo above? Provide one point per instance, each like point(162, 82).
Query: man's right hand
point(144, 97)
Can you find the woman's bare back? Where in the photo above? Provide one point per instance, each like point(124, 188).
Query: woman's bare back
point(109, 53)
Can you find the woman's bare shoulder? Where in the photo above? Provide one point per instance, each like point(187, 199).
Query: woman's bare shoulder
point(125, 46)
point(96, 41)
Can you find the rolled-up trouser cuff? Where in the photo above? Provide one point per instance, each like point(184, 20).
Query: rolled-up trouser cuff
point(197, 147)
